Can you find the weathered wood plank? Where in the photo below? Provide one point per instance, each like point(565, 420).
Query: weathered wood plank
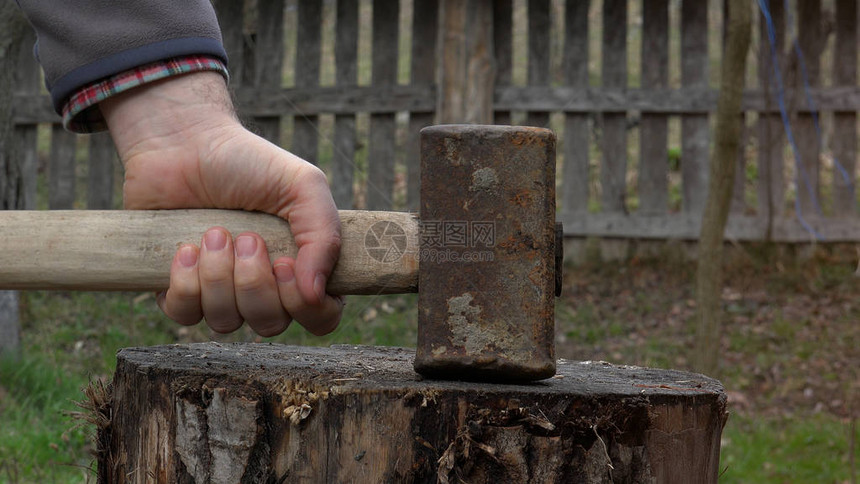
point(10, 328)
point(538, 61)
point(15, 47)
point(653, 136)
point(32, 109)
point(61, 169)
point(687, 226)
point(575, 145)
point(422, 72)
point(100, 173)
point(503, 50)
point(465, 66)
point(695, 138)
point(27, 83)
point(770, 132)
point(309, 39)
point(613, 169)
point(845, 122)
point(739, 188)
point(28, 159)
point(382, 143)
point(808, 143)
point(269, 61)
point(232, 12)
point(346, 75)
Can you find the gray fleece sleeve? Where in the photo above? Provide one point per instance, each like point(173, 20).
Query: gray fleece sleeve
point(81, 42)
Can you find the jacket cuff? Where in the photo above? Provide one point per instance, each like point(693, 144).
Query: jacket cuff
point(81, 113)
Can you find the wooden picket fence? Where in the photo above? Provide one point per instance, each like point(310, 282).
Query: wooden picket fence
point(349, 83)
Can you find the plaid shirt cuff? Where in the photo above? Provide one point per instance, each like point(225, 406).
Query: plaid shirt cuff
point(81, 113)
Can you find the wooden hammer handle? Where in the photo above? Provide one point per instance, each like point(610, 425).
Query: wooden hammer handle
point(131, 250)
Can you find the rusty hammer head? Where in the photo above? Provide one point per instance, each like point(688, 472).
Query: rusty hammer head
point(487, 272)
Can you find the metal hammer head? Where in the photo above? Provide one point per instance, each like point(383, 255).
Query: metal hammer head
point(487, 267)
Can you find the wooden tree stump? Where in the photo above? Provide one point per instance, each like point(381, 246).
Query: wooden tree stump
point(264, 413)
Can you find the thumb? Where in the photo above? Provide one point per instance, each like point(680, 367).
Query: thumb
point(315, 225)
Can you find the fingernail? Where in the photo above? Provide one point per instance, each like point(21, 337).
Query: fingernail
point(187, 256)
point(284, 273)
point(215, 240)
point(246, 246)
point(319, 286)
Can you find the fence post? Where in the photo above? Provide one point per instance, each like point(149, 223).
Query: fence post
point(12, 27)
point(465, 70)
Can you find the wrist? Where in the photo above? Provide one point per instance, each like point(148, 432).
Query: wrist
point(169, 112)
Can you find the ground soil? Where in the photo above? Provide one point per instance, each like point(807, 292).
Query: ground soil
point(791, 338)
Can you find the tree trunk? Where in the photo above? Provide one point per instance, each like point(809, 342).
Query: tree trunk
point(709, 278)
point(12, 26)
point(261, 413)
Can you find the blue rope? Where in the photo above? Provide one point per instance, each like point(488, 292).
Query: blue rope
point(764, 5)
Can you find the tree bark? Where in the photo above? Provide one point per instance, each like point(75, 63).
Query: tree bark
point(709, 276)
point(12, 26)
point(256, 413)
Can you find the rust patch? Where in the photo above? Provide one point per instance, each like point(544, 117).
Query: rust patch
point(523, 198)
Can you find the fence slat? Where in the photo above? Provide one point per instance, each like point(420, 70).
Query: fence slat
point(231, 15)
point(61, 169)
point(613, 169)
point(381, 149)
point(269, 60)
point(771, 184)
point(309, 40)
point(538, 64)
point(653, 135)
point(100, 174)
point(738, 202)
point(27, 80)
point(695, 138)
point(808, 145)
point(422, 71)
point(576, 140)
point(845, 123)
point(503, 48)
point(345, 59)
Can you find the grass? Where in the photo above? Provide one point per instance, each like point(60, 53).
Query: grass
point(781, 450)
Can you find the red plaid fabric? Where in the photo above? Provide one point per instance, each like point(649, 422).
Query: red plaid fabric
point(81, 113)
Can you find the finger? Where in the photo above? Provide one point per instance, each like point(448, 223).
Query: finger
point(256, 290)
point(218, 298)
point(181, 302)
point(318, 319)
point(315, 225)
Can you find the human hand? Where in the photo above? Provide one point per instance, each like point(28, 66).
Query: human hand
point(183, 147)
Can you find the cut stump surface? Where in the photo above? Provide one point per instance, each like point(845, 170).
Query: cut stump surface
point(261, 413)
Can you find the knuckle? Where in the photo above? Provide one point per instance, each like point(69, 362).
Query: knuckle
point(215, 277)
point(309, 173)
point(250, 285)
